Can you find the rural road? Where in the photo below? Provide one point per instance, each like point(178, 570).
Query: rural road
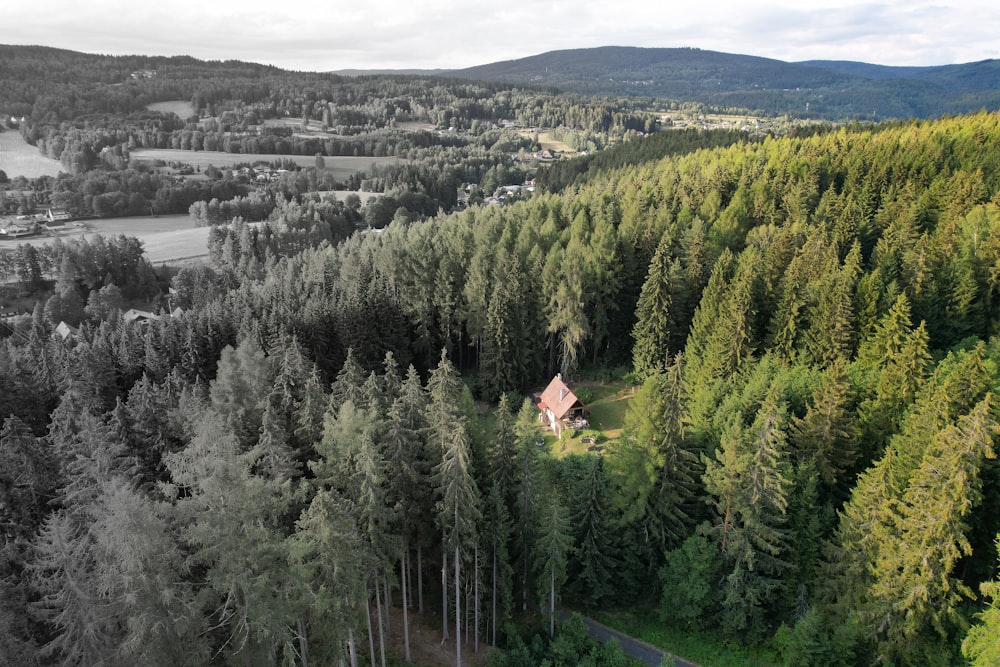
point(634, 648)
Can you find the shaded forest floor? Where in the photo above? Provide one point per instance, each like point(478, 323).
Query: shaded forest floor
point(426, 647)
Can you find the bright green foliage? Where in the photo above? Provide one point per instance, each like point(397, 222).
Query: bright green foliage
point(689, 579)
point(827, 435)
point(749, 482)
point(916, 591)
point(654, 321)
point(982, 643)
point(655, 464)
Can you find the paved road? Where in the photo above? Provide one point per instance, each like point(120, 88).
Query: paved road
point(640, 650)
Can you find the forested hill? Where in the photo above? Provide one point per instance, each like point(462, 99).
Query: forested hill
point(809, 463)
point(824, 89)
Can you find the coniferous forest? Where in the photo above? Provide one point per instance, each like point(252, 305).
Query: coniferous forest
point(332, 427)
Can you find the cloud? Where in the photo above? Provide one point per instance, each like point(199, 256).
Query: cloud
point(323, 35)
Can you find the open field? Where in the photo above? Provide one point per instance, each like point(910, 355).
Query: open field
point(550, 144)
point(339, 166)
point(181, 108)
point(164, 238)
point(415, 126)
point(19, 158)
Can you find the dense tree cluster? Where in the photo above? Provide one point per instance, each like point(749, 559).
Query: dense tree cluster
point(808, 459)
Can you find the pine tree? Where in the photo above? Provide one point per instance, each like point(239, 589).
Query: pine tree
point(827, 434)
point(552, 551)
point(917, 593)
point(594, 581)
point(652, 332)
point(749, 484)
point(982, 643)
point(458, 511)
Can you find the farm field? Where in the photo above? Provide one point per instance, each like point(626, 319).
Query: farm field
point(164, 238)
point(415, 125)
point(549, 143)
point(181, 108)
point(19, 158)
point(339, 166)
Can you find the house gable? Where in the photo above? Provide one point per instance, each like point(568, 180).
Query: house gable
point(558, 398)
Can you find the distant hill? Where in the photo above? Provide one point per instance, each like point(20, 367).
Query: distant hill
point(390, 72)
point(831, 89)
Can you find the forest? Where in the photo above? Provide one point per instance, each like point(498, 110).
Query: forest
point(335, 423)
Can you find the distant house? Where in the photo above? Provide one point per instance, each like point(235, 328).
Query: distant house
point(559, 407)
point(134, 315)
point(18, 228)
point(58, 216)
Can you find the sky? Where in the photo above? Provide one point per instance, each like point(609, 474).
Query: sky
point(323, 35)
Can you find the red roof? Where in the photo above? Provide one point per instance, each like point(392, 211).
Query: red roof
point(558, 398)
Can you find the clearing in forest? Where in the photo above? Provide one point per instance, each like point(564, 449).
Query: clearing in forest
point(19, 158)
point(340, 166)
point(183, 109)
point(606, 402)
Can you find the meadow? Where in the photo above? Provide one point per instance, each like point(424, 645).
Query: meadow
point(165, 238)
point(182, 108)
point(340, 167)
point(19, 158)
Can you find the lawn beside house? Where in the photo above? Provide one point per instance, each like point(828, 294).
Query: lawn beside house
point(606, 402)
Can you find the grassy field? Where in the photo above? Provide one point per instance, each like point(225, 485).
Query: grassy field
point(181, 108)
point(18, 158)
point(164, 238)
point(340, 166)
point(415, 126)
point(549, 143)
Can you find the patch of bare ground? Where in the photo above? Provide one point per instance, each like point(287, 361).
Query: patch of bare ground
point(426, 647)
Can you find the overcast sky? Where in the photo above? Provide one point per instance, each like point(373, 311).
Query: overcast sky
point(320, 35)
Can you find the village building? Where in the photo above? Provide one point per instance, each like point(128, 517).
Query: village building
point(65, 331)
point(58, 216)
point(135, 315)
point(560, 408)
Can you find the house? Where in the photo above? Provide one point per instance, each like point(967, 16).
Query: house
point(64, 331)
point(58, 215)
point(18, 229)
point(559, 407)
point(134, 315)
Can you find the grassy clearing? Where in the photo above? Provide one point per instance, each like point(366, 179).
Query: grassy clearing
point(415, 126)
point(19, 158)
point(607, 404)
point(340, 166)
point(181, 108)
point(164, 238)
point(549, 143)
point(703, 648)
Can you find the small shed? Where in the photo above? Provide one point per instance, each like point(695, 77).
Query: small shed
point(559, 407)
